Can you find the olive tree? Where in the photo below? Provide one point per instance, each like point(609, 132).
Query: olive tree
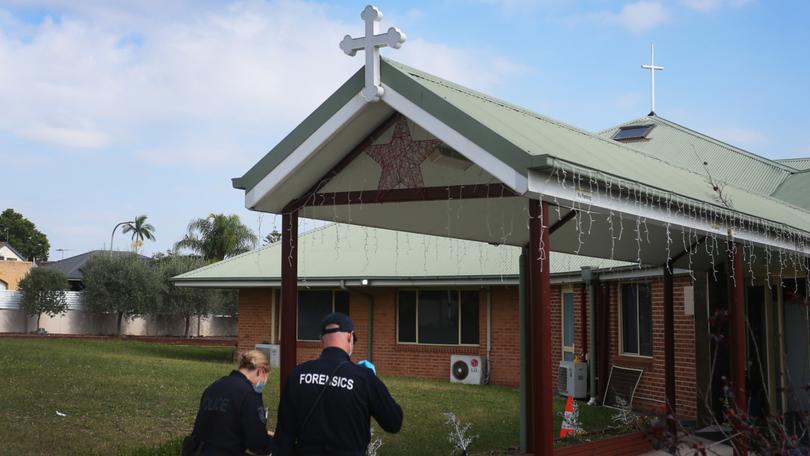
point(126, 285)
point(43, 292)
point(184, 302)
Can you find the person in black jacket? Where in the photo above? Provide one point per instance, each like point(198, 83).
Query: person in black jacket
point(232, 417)
point(327, 403)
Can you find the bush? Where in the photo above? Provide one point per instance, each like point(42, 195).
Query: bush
point(43, 291)
point(124, 285)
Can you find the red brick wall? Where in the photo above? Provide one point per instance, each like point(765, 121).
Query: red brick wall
point(651, 392)
point(505, 356)
point(255, 317)
point(428, 361)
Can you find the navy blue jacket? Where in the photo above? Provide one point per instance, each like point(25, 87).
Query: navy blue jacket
point(340, 424)
point(232, 418)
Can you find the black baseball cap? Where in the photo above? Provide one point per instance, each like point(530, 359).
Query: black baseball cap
point(343, 322)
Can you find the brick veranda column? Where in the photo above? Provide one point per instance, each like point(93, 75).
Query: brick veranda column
point(540, 438)
point(669, 346)
point(289, 292)
point(736, 306)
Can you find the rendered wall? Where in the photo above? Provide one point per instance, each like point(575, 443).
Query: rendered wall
point(80, 322)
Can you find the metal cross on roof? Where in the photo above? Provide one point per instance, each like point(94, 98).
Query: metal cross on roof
point(371, 43)
point(652, 69)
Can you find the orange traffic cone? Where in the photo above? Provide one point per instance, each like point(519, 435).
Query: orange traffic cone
point(567, 429)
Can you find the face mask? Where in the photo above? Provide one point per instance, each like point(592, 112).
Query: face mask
point(259, 387)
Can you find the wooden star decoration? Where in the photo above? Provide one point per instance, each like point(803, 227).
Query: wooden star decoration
point(401, 159)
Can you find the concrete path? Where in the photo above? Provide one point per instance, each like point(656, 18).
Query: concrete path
point(714, 449)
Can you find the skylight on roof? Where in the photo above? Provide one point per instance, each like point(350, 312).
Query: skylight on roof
point(633, 132)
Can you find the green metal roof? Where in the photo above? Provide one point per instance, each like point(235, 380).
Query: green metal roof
point(525, 140)
point(339, 251)
point(795, 190)
point(540, 140)
point(799, 164)
point(687, 148)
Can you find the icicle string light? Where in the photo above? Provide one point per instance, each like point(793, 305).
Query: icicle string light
point(782, 245)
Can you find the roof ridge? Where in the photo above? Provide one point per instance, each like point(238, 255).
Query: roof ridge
point(487, 98)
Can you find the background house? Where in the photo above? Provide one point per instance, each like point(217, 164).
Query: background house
point(13, 267)
point(71, 267)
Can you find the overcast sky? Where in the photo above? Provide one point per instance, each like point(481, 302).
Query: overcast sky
point(113, 109)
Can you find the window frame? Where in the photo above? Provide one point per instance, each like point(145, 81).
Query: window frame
point(637, 354)
point(645, 128)
point(416, 317)
point(298, 310)
point(567, 348)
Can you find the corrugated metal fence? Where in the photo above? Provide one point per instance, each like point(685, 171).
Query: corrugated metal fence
point(12, 300)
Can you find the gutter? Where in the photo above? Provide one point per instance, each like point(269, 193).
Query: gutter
point(224, 282)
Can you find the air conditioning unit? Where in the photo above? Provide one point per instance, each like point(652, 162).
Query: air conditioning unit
point(273, 353)
point(573, 379)
point(467, 369)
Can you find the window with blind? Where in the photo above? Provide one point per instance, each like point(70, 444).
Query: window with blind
point(313, 305)
point(636, 319)
point(439, 317)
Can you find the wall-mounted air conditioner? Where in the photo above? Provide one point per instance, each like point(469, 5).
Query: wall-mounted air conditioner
point(273, 353)
point(573, 379)
point(467, 369)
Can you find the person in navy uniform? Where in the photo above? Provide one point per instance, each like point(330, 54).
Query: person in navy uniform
point(327, 403)
point(232, 417)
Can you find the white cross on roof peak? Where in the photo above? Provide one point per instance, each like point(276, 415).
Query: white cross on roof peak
point(371, 44)
point(652, 69)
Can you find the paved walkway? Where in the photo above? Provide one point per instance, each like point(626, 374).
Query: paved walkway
point(714, 449)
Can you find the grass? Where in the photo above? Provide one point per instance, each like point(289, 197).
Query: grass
point(138, 399)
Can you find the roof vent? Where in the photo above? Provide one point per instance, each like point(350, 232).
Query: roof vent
point(633, 132)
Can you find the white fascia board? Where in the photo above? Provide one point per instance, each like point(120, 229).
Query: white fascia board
point(223, 283)
point(541, 186)
point(306, 150)
point(635, 274)
point(457, 141)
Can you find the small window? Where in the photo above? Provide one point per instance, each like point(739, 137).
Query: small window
point(636, 319)
point(568, 326)
point(313, 305)
point(633, 132)
point(440, 317)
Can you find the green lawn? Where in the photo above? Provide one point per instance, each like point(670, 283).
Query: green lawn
point(138, 399)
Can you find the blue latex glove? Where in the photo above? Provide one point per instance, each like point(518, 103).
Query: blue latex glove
point(368, 364)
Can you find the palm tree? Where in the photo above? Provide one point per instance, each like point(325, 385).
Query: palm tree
point(140, 230)
point(218, 236)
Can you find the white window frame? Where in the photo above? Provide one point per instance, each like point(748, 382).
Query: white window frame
point(638, 322)
point(459, 290)
point(567, 348)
